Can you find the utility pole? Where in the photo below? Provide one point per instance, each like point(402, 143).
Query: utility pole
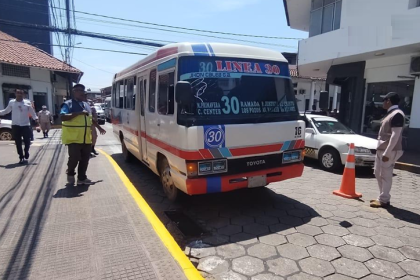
point(67, 51)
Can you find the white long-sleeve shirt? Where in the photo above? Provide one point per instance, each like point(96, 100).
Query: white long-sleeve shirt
point(20, 112)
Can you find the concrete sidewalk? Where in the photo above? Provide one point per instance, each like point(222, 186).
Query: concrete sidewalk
point(49, 231)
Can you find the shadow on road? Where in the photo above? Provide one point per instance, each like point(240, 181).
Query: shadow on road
point(74, 191)
point(404, 215)
point(229, 217)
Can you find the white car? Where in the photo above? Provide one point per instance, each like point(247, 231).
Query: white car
point(5, 130)
point(100, 112)
point(328, 140)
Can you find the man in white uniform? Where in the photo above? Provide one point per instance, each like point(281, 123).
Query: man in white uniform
point(45, 120)
point(21, 126)
point(389, 148)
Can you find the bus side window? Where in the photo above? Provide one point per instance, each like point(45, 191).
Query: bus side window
point(152, 91)
point(114, 95)
point(166, 94)
point(129, 94)
point(120, 103)
point(133, 105)
point(143, 95)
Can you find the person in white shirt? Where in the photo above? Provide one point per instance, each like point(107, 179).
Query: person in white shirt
point(21, 126)
point(45, 120)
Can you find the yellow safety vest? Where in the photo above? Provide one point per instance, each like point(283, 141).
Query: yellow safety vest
point(77, 130)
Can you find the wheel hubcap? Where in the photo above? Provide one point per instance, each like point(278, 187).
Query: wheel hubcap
point(5, 136)
point(328, 160)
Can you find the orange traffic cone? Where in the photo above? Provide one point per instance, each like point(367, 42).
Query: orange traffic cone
point(348, 183)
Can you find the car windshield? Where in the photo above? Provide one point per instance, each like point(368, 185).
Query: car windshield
point(331, 127)
point(238, 91)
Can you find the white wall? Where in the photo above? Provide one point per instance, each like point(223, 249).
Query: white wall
point(415, 114)
point(39, 82)
point(388, 68)
point(306, 85)
point(366, 27)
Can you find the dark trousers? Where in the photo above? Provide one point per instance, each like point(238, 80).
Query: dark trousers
point(79, 155)
point(19, 132)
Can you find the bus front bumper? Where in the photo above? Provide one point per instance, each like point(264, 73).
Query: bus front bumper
point(216, 184)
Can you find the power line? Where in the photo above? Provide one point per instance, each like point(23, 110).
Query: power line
point(175, 31)
point(93, 49)
point(94, 66)
point(178, 27)
point(132, 40)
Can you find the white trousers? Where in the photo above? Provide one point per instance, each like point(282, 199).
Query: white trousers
point(384, 173)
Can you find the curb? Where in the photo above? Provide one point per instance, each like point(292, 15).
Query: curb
point(184, 262)
point(408, 167)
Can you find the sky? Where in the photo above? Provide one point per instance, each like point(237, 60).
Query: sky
point(255, 17)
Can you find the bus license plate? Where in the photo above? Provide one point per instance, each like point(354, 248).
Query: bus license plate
point(291, 156)
point(257, 181)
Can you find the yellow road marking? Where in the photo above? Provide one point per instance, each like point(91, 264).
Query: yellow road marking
point(189, 269)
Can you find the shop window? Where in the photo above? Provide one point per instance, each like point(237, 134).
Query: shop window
point(374, 113)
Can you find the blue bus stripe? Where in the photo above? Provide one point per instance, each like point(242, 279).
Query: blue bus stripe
point(285, 146)
point(214, 184)
point(211, 50)
point(200, 49)
point(225, 152)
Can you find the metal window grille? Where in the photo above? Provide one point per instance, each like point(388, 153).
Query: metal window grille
point(15, 70)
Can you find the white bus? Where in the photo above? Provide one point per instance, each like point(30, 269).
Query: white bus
point(210, 118)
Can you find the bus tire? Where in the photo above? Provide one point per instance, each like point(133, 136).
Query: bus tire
point(128, 157)
point(330, 159)
point(169, 188)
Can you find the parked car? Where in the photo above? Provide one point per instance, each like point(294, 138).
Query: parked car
point(100, 112)
point(328, 140)
point(5, 130)
point(107, 109)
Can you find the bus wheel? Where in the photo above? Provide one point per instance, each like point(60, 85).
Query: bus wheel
point(169, 188)
point(128, 157)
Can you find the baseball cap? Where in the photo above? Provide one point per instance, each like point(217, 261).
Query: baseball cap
point(44, 107)
point(79, 86)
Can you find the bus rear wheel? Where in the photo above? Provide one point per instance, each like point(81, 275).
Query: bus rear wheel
point(169, 188)
point(128, 157)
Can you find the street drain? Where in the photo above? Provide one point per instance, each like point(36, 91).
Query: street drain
point(187, 227)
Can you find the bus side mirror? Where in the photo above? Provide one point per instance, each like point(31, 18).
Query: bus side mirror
point(183, 93)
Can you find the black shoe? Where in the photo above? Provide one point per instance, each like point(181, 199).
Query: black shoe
point(21, 161)
point(95, 152)
point(26, 156)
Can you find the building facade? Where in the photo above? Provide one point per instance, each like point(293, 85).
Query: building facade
point(44, 78)
point(31, 12)
point(367, 48)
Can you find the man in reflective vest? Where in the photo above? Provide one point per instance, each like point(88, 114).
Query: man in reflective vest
point(77, 135)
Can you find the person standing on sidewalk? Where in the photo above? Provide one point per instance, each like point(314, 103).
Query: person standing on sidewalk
point(389, 148)
point(21, 126)
point(94, 132)
point(77, 135)
point(45, 120)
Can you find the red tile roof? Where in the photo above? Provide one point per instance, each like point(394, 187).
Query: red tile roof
point(14, 51)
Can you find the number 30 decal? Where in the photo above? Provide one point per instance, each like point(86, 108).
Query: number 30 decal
point(231, 104)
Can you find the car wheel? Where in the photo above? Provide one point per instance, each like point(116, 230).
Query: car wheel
point(6, 135)
point(169, 188)
point(330, 160)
